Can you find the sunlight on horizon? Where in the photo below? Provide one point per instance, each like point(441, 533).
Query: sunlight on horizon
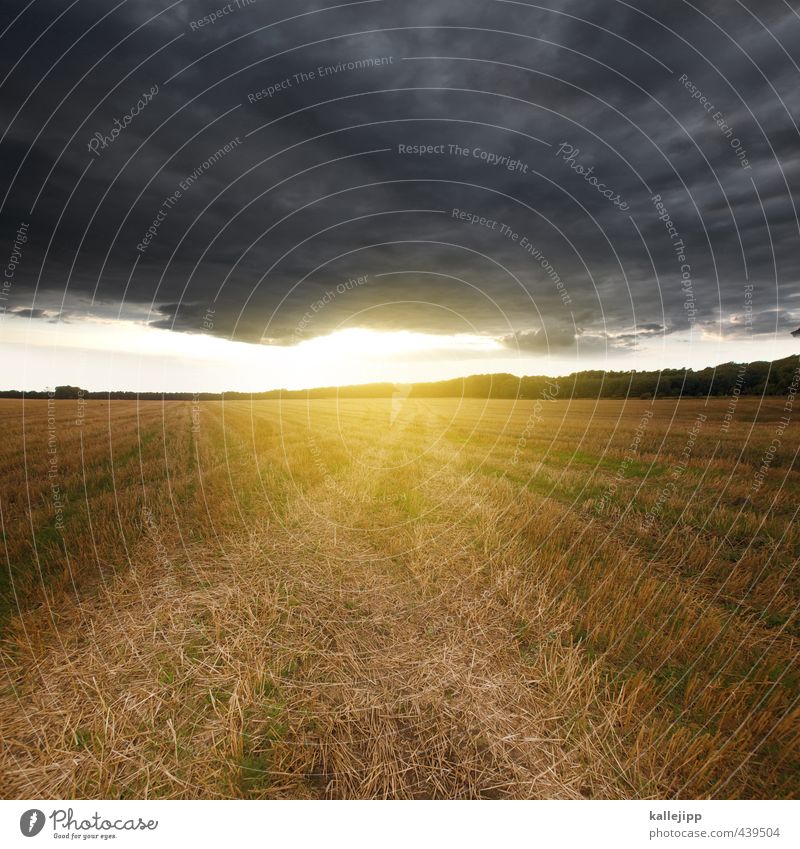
point(128, 355)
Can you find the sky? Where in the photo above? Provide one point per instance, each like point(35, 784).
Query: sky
point(244, 196)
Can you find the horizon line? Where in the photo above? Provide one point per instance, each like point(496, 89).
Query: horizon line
point(331, 387)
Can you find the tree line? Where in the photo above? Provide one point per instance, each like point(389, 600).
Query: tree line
point(756, 378)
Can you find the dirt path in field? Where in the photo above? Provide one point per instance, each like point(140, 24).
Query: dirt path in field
point(374, 640)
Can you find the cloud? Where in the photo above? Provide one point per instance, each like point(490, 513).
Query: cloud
point(541, 341)
point(30, 313)
point(317, 191)
point(774, 321)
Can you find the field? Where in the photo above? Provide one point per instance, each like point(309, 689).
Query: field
point(399, 598)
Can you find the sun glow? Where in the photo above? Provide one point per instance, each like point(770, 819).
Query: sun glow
point(135, 356)
point(131, 355)
point(382, 344)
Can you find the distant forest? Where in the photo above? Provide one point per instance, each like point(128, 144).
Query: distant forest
point(757, 378)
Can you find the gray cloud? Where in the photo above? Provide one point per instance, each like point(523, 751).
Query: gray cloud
point(541, 340)
point(29, 313)
point(316, 191)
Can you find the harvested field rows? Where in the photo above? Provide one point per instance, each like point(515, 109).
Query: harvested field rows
point(399, 598)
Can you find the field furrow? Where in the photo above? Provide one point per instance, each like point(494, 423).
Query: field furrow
point(430, 599)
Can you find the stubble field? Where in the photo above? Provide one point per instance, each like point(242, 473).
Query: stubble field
point(399, 598)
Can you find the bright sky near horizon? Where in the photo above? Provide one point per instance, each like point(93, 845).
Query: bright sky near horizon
point(126, 355)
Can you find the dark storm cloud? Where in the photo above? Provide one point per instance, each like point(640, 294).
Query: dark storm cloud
point(553, 338)
point(208, 176)
point(28, 313)
point(546, 339)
